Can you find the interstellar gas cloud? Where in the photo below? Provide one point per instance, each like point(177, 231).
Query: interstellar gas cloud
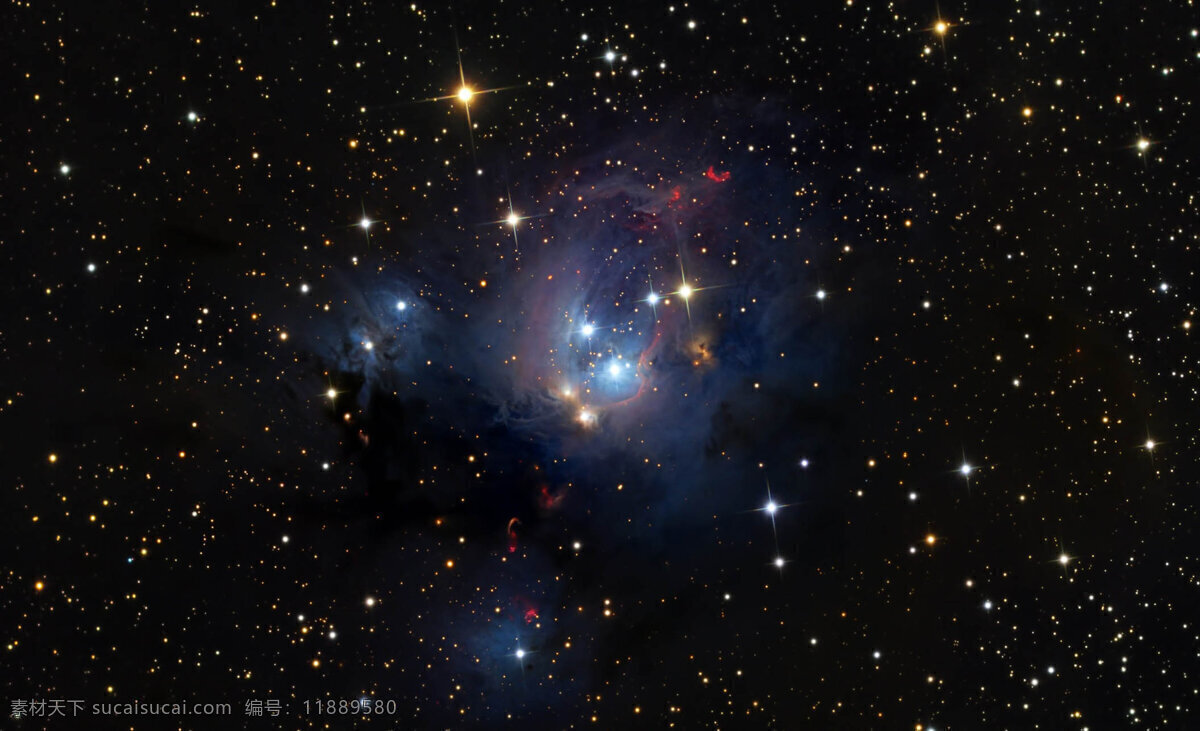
point(596, 411)
point(564, 365)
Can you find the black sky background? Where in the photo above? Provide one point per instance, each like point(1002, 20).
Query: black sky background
point(860, 165)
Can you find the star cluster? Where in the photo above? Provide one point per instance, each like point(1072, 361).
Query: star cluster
point(730, 365)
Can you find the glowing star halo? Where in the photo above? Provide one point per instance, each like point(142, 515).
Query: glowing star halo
point(466, 94)
point(365, 223)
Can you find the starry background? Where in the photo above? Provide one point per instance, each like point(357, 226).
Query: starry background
point(727, 365)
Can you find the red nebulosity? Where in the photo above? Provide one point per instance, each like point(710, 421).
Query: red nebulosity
point(512, 535)
point(644, 361)
point(644, 221)
point(676, 194)
point(716, 177)
point(525, 608)
point(547, 500)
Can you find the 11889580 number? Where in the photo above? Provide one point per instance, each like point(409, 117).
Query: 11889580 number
point(356, 707)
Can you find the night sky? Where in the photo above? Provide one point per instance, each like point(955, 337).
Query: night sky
point(614, 365)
